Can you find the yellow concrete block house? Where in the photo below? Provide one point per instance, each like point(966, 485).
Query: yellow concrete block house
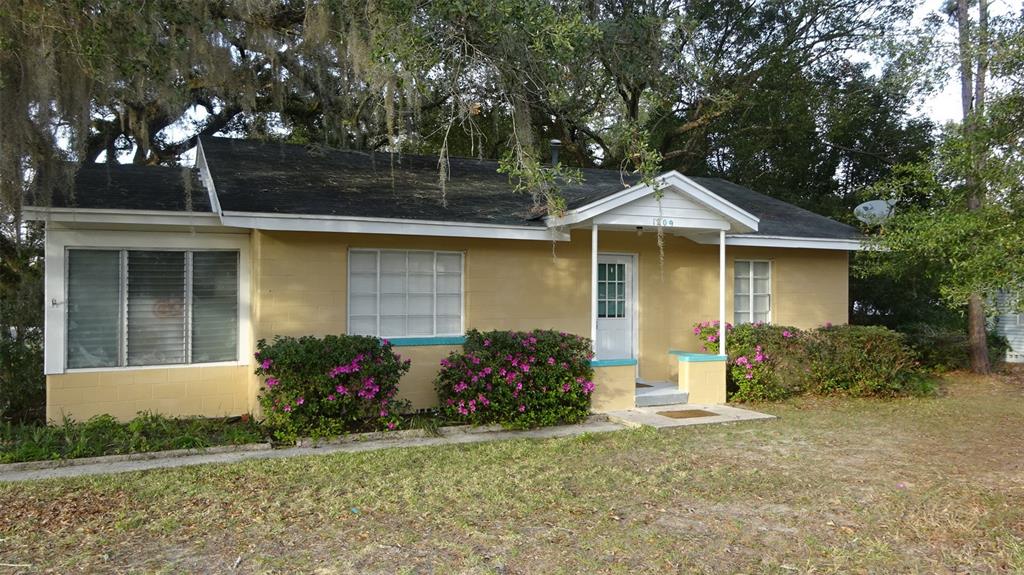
point(160, 280)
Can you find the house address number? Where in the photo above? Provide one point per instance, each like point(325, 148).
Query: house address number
point(664, 222)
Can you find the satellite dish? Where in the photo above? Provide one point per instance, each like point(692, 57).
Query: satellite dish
point(875, 211)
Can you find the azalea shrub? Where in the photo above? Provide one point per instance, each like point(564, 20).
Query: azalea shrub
point(769, 362)
point(763, 360)
point(517, 379)
point(321, 387)
point(862, 360)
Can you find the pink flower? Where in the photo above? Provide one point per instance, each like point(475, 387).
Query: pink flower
point(749, 375)
point(266, 364)
point(551, 361)
point(288, 408)
point(341, 389)
point(271, 382)
point(786, 333)
point(391, 425)
point(588, 386)
point(330, 397)
point(487, 343)
point(300, 401)
point(522, 408)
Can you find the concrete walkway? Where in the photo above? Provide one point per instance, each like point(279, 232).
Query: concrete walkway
point(640, 416)
point(615, 421)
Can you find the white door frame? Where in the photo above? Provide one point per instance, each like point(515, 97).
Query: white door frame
point(635, 315)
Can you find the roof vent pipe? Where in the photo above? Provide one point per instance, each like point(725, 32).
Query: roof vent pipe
point(555, 145)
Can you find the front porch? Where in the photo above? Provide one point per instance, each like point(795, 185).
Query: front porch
point(624, 301)
point(700, 379)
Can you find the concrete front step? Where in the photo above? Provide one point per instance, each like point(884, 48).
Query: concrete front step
point(655, 396)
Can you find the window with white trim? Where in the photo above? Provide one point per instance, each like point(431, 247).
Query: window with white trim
point(151, 307)
point(404, 293)
point(752, 291)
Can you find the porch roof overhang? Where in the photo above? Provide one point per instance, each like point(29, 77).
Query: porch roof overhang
point(674, 202)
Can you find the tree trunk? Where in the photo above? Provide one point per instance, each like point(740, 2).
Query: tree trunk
point(972, 99)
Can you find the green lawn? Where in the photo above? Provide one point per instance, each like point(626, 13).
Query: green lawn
point(833, 486)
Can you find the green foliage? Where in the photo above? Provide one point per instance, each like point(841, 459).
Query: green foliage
point(322, 387)
point(22, 383)
point(769, 362)
point(944, 348)
point(861, 361)
point(104, 435)
point(517, 379)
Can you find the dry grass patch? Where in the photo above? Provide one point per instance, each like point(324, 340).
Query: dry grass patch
point(833, 486)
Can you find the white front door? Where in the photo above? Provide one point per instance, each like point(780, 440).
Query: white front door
point(615, 305)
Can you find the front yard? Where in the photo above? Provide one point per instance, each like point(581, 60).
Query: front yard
point(839, 485)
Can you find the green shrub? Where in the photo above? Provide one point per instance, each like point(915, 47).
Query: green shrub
point(861, 360)
point(769, 362)
point(517, 379)
point(321, 387)
point(104, 435)
point(22, 383)
point(764, 360)
point(945, 347)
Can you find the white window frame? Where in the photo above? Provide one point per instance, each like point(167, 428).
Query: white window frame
point(750, 290)
point(377, 251)
point(60, 240)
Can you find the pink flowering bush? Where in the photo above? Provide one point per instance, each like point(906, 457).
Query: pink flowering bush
point(763, 359)
point(322, 387)
point(771, 362)
point(517, 379)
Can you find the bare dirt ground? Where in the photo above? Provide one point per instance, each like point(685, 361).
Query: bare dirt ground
point(917, 485)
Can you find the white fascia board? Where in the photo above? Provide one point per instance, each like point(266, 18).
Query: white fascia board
point(791, 242)
point(714, 201)
point(206, 177)
point(673, 179)
point(98, 216)
point(392, 226)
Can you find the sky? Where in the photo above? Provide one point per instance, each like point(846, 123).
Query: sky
point(945, 106)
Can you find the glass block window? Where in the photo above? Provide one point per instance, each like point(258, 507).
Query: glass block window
point(404, 293)
point(752, 290)
point(611, 290)
point(151, 307)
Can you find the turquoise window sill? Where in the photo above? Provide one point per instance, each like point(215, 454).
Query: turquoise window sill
point(424, 341)
point(690, 356)
point(611, 362)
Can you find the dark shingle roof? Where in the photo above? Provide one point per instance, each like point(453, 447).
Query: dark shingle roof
point(779, 218)
point(274, 178)
point(293, 179)
point(131, 187)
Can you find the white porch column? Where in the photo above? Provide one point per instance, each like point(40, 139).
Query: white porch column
point(721, 292)
point(593, 286)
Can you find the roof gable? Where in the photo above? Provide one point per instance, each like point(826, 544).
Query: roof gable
point(675, 202)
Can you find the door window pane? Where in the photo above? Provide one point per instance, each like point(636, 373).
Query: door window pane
point(611, 290)
point(94, 308)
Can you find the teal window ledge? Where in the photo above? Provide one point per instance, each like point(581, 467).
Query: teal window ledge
point(690, 356)
point(611, 362)
point(415, 341)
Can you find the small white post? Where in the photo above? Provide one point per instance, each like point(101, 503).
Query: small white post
point(721, 292)
point(593, 286)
